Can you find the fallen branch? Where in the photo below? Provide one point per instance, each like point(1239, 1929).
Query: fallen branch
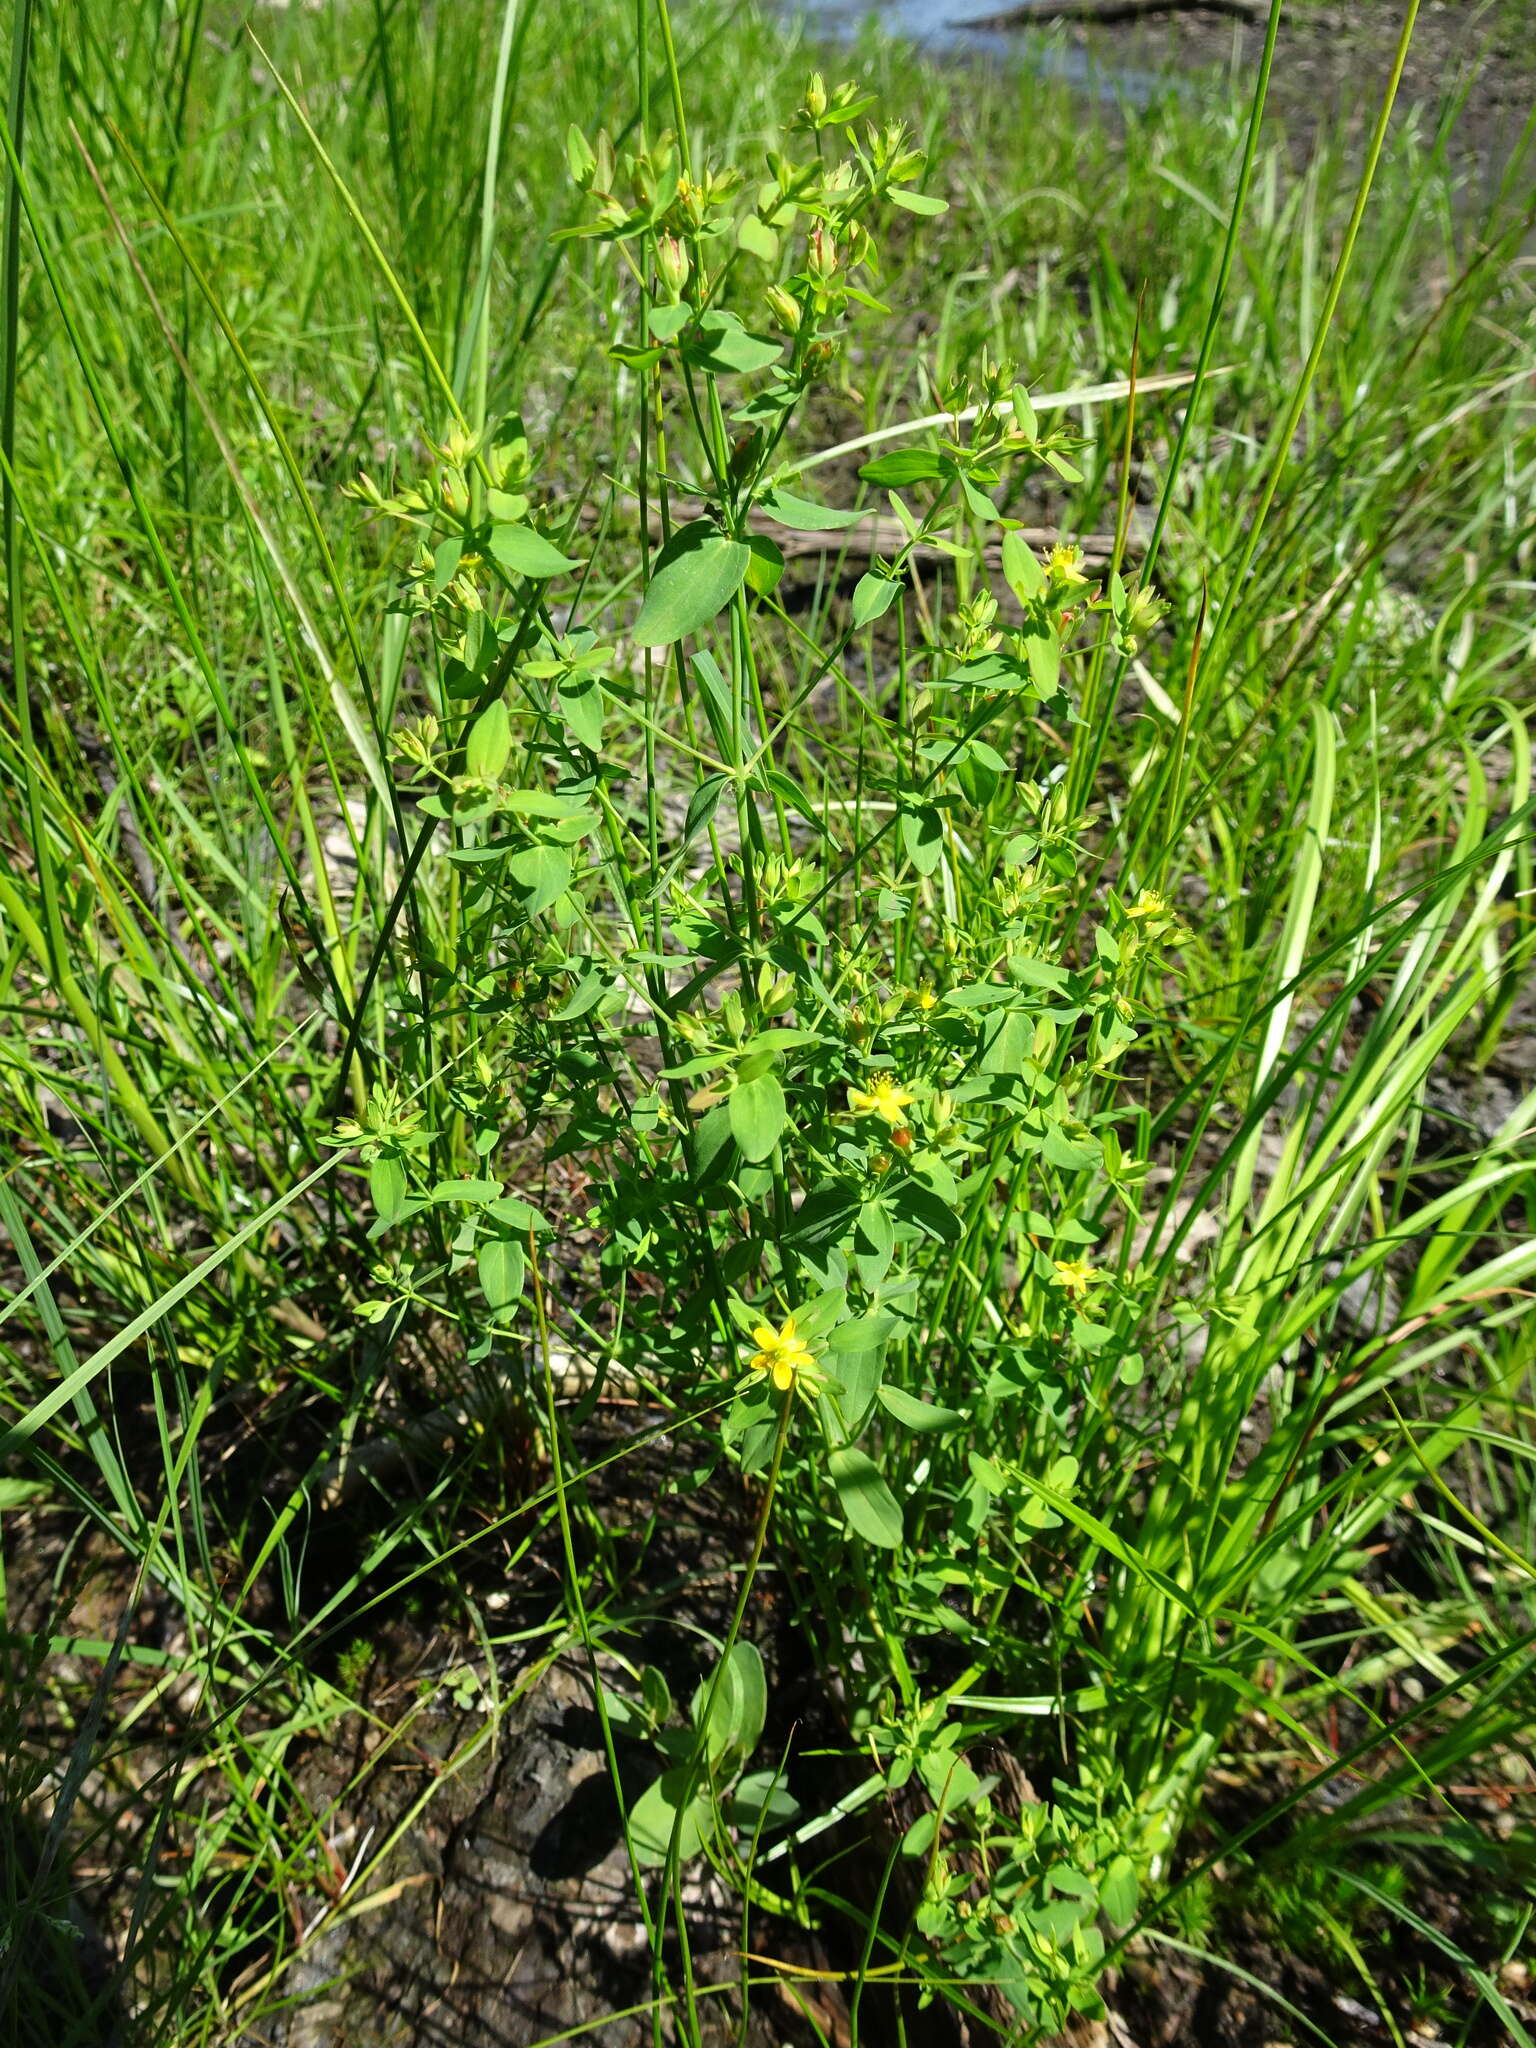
point(428, 1438)
point(877, 533)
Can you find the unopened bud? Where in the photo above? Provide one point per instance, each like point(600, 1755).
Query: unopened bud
point(816, 96)
point(580, 156)
point(672, 266)
point(784, 307)
point(821, 255)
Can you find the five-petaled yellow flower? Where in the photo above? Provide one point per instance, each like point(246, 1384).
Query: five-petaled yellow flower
point(1148, 904)
point(783, 1355)
point(885, 1098)
point(1064, 566)
point(1076, 1276)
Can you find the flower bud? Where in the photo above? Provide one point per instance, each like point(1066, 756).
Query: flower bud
point(1144, 611)
point(784, 307)
point(821, 255)
point(672, 266)
point(816, 96)
point(580, 156)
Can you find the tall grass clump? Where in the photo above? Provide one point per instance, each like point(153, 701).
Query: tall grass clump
point(989, 1041)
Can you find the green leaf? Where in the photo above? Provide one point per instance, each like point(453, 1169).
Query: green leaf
point(489, 743)
point(978, 501)
point(667, 322)
point(874, 1243)
point(766, 565)
point(862, 1333)
point(761, 1801)
point(758, 239)
point(1021, 568)
point(541, 803)
point(501, 1263)
point(740, 1706)
point(466, 1191)
point(724, 346)
point(1044, 652)
point(758, 1115)
point(656, 1693)
point(588, 992)
point(1036, 973)
point(1118, 1891)
point(867, 1501)
point(916, 202)
point(1067, 471)
point(902, 466)
point(655, 1812)
point(856, 1360)
point(873, 596)
point(702, 806)
point(1072, 1154)
point(922, 834)
point(446, 557)
point(527, 553)
point(802, 516)
point(386, 1185)
point(918, 1416)
point(696, 575)
point(544, 872)
point(581, 704)
point(933, 1171)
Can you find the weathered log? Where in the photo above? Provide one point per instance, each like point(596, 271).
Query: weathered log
point(1111, 13)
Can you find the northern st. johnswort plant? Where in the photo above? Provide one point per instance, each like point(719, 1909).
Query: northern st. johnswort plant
point(683, 767)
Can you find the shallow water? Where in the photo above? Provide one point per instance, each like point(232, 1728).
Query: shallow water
point(940, 26)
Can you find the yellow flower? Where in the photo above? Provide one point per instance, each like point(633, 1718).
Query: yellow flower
point(1064, 566)
point(1148, 904)
point(783, 1356)
point(1076, 1276)
point(884, 1098)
